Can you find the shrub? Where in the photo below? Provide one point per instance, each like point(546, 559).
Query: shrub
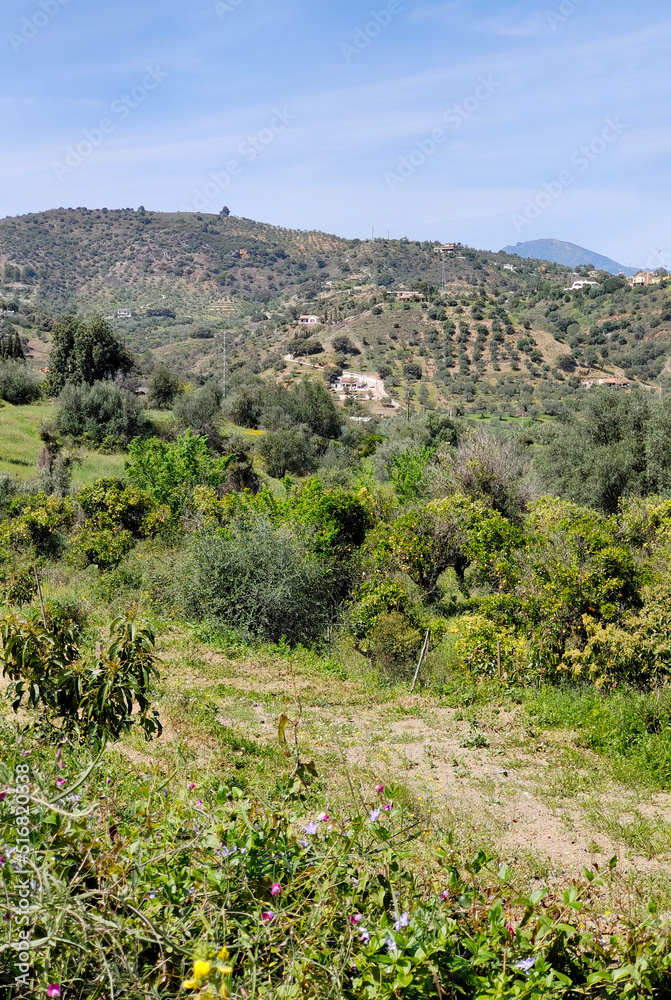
point(83, 353)
point(17, 383)
point(258, 581)
point(101, 413)
point(288, 450)
point(197, 410)
point(481, 646)
point(96, 699)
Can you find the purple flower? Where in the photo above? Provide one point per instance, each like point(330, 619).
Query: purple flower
point(389, 806)
point(60, 782)
point(355, 919)
point(267, 916)
point(392, 947)
point(304, 843)
point(311, 829)
point(275, 889)
point(3, 796)
point(374, 815)
point(445, 894)
point(402, 921)
point(107, 781)
point(61, 765)
point(379, 789)
point(191, 786)
point(199, 802)
point(526, 965)
point(54, 990)
point(364, 937)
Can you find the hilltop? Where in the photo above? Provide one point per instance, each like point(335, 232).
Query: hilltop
point(568, 254)
point(487, 332)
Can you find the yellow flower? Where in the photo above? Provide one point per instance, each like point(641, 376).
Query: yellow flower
point(190, 984)
point(225, 970)
point(223, 954)
point(223, 992)
point(201, 969)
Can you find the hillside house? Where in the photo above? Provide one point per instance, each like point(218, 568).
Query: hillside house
point(646, 278)
point(404, 296)
point(611, 383)
point(309, 320)
point(124, 314)
point(582, 283)
point(447, 248)
point(508, 267)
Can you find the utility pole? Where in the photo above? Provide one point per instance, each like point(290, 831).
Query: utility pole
point(224, 384)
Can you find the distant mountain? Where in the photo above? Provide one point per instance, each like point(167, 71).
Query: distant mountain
point(568, 254)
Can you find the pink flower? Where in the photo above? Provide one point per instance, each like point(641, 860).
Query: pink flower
point(276, 889)
point(267, 916)
point(379, 789)
point(445, 894)
point(60, 782)
point(191, 786)
point(61, 765)
point(324, 818)
point(199, 802)
point(355, 919)
point(388, 807)
point(107, 781)
point(54, 990)
point(3, 796)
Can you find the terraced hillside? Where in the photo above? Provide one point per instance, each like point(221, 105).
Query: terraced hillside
point(485, 331)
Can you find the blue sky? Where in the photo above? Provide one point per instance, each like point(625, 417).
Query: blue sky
point(457, 120)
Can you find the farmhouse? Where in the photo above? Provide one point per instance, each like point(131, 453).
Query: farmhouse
point(309, 320)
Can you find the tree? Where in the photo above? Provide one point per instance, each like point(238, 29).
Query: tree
point(343, 345)
point(163, 386)
point(289, 449)
point(10, 345)
point(225, 211)
point(17, 384)
point(198, 409)
point(84, 353)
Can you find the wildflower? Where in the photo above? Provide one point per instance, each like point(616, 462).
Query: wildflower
point(60, 782)
point(275, 889)
point(392, 947)
point(107, 781)
point(355, 919)
point(311, 829)
point(402, 921)
point(379, 789)
point(267, 916)
point(53, 990)
point(388, 807)
point(223, 991)
point(223, 954)
point(199, 802)
point(304, 843)
point(324, 818)
point(526, 965)
point(364, 937)
point(61, 765)
point(201, 969)
point(190, 984)
point(3, 796)
point(191, 786)
point(225, 970)
point(374, 815)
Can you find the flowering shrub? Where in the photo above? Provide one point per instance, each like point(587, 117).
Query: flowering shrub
point(197, 894)
point(481, 645)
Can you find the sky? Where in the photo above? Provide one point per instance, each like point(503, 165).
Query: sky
point(465, 120)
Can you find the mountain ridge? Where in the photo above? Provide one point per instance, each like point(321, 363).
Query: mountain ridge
point(567, 254)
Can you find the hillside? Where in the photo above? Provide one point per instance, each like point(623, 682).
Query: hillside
point(487, 332)
point(568, 254)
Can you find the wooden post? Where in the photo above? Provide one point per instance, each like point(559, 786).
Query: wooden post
point(39, 591)
point(422, 655)
point(498, 656)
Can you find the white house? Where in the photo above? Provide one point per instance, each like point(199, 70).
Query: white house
point(577, 285)
point(407, 296)
point(124, 314)
point(646, 278)
point(309, 320)
point(508, 267)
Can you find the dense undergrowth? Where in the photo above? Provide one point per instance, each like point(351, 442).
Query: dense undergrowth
point(145, 885)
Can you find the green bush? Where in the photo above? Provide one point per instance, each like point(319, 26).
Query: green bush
point(102, 414)
point(261, 582)
point(75, 694)
point(17, 383)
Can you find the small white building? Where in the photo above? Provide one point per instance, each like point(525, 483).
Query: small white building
point(508, 267)
point(124, 314)
point(582, 283)
point(309, 320)
point(446, 248)
point(404, 296)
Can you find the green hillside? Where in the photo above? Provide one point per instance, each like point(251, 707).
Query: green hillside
point(488, 332)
